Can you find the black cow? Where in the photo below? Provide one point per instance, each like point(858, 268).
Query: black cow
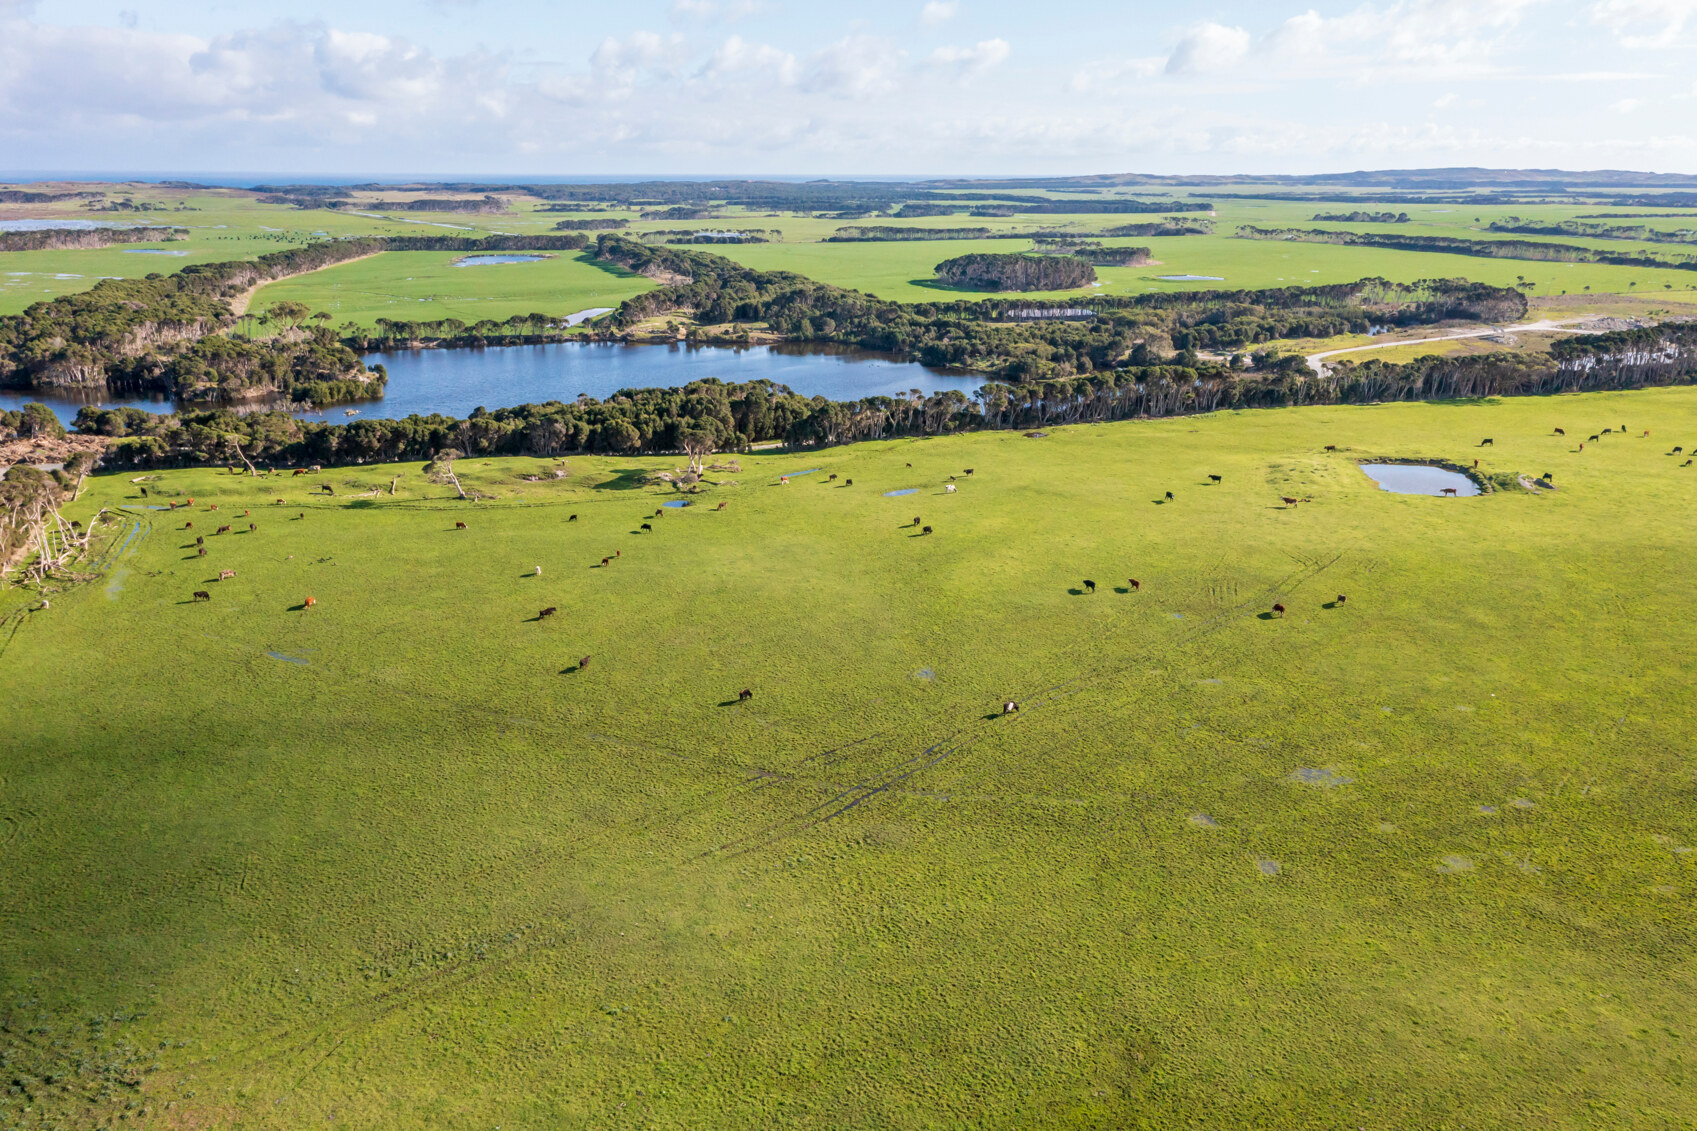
point(647, 526)
point(744, 695)
point(202, 595)
point(548, 612)
point(1090, 585)
point(573, 518)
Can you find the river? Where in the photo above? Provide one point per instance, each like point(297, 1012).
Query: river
point(453, 382)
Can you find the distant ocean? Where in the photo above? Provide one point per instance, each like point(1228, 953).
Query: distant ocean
point(246, 180)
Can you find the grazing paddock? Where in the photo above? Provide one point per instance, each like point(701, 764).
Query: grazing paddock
point(405, 860)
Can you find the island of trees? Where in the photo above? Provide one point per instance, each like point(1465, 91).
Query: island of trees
point(1013, 272)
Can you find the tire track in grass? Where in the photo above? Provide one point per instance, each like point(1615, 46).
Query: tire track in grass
point(341, 1024)
point(882, 781)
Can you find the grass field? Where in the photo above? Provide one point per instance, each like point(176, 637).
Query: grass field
point(232, 225)
point(1424, 859)
point(426, 285)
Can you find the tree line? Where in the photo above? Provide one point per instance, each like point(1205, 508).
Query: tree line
point(1452, 245)
point(733, 416)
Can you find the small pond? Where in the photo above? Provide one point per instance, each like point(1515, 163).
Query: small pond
point(1191, 278)
point(489, 260)
point(677, 503)
point(151, 251)
point(903, 491)
point(1418, 479)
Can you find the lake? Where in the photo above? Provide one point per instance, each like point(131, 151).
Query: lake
point(455, 381)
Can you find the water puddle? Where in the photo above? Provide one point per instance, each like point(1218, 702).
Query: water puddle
point(678, 503)
point(585, 315)
point(925, 674)
point(151, 251)
point(903, 491)
point(1268, 867)
point(289, 657)
point(1487, 810)
point(1418, 479)
point(1203, 821)
point(1326, 779)
point(1191, 278)
point(489, 260)
point(1521, 803)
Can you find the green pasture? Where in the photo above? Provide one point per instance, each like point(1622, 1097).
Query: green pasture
point(232, 225)
point(427, 285)
point(1423, 859)
point(904, 271)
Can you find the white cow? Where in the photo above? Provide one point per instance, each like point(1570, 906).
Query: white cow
point(950, 488)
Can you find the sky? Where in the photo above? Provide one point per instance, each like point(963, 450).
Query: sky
point(480, 88)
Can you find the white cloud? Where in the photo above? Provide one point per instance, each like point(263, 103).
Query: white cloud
point(1645, 23)
point(1208, 47)
point(973, 60)
point(860, 66)
point(1626, 105)
point(737, 56)
point(939, 12)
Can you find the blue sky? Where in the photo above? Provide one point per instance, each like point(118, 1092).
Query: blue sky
point(890, 87)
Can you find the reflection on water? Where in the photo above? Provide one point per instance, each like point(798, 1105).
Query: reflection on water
point(1418, 479)
point(453, 382)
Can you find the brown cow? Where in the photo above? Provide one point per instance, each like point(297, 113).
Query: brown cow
point(245, 514)
point(202, 595)
point(279, 502)
point(173, 504)
point(191, 501)
point(1342, 598)
point(252, 526)
point(1279, 609)
point(226, 574)
point(1134, 583)
point(1331, 447)
point(1009, 707)
point(721, 506)
point(300, 471)
point(606, 561)
point(309, 602)
point(213, 507)
point(1449, 490)
point(833, 477)
point(223, 530)
point(200, 541)
point(548, 612)
point(661, 513)
point(1687, 463)
point(460, 526)
point(583, 663)
point(744, 695)
point(188, 525)
point(1288, 501)
point(201, 552)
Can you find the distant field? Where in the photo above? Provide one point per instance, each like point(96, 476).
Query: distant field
point(1424, 859)
point(426, 285)
point(231, 225)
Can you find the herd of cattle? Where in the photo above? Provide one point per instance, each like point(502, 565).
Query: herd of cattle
point(1009, 707)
